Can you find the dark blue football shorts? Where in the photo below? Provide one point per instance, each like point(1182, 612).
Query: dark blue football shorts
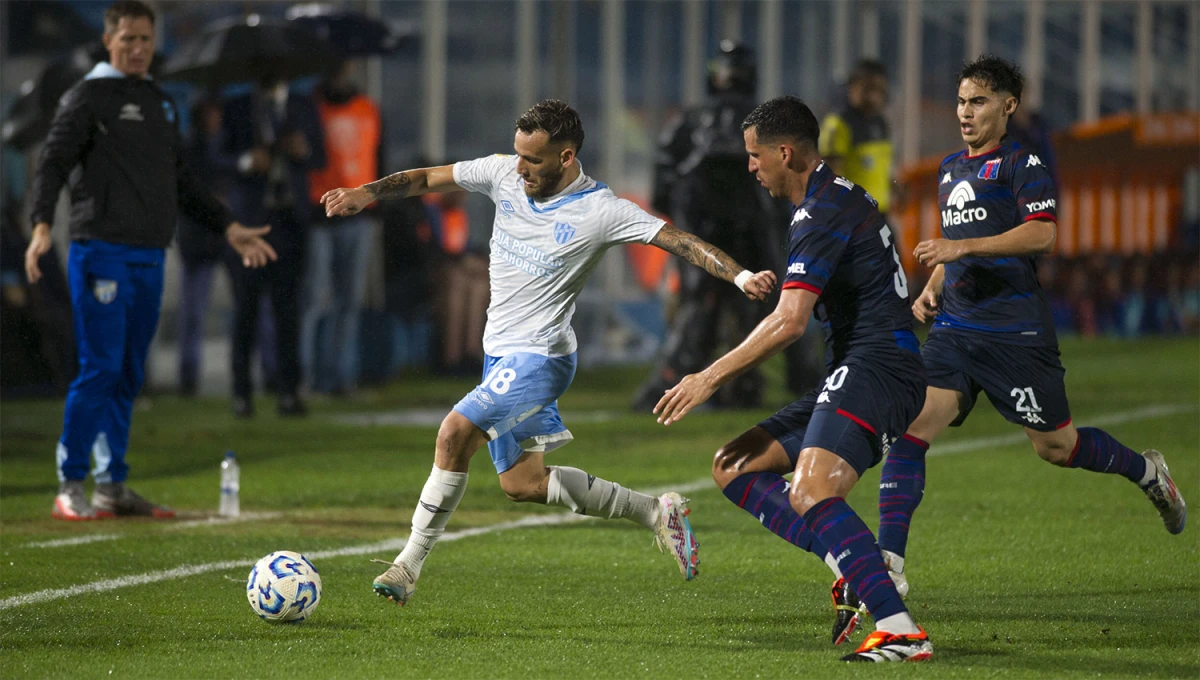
point(1024, 383)
point(866, 402)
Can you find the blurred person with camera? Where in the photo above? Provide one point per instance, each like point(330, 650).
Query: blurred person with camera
point(115, 142)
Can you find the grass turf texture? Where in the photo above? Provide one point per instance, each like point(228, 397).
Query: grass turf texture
point(1018, 569)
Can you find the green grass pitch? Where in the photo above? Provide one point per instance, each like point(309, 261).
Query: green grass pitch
point(1018, 569)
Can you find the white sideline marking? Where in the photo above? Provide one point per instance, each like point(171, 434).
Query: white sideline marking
point(75, 540)
point(531, 521)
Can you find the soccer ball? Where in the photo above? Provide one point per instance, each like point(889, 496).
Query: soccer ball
point(284, 587)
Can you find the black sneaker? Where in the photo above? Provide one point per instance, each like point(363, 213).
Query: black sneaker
point(847, 611)
point(118, 500)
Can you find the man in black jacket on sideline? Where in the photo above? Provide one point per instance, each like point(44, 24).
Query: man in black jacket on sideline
point(115, 141)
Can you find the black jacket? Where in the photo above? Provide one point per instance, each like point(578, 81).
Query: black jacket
point(115, 141)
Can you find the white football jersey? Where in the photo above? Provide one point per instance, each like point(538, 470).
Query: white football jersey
point(543, 251)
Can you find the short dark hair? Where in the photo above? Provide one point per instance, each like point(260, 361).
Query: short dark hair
point(785, 116)
point(867, 68)
point(557, 119)
point(121, 9)
point(998, 74)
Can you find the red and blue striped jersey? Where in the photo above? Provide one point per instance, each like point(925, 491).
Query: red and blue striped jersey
point(987, 195)
point(842, 250)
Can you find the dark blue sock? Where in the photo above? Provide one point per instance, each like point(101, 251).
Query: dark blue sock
point(1096, 450)
point(901, 487)
point(764, 495)
point(852, 545)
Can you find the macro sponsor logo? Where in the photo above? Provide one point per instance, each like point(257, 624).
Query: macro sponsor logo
point(960, 196)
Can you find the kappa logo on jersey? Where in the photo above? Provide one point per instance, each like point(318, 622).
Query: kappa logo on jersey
point(131, 112)
point(844, 182)
point(1038, 206)
point(990, 169)
point(105, 291)
point(563, 232)
point(1032, 161)
point(946, 178)
point(796, 268)
point(802, 214)
point(507, 206)
point(960, 196)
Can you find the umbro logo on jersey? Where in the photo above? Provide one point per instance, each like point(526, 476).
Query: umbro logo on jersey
point(802, 214)
point(1039, 206)
point(796, 268)
point(1032, 161)
point(507, 206)
point(946, 178)
point(960, 196)
point(131, 112)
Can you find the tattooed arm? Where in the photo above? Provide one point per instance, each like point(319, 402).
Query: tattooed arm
point(399, 185)
point(712, 260)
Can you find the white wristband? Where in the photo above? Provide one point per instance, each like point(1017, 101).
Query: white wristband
point(741, 279)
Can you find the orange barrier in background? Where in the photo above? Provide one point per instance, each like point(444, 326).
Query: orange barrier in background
point(1120, 186)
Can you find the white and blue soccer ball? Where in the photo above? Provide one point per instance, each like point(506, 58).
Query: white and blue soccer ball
point(284, 587)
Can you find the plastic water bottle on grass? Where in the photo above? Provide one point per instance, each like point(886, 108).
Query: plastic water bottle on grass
point(229, 486)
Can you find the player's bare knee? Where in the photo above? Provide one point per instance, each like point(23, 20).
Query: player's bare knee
point(525, 488)
point(1054, 447)
point(803, 496)
point(454, 440)
point(723, 465)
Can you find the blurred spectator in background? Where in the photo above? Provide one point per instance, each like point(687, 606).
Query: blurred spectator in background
point(409, 251)
point(200, 250)
point(856, 141)
point(461, 284)
point(1051, 280)
point(1186, 303)
point(270, 141)
point(1081, 300)
point(335, 279)
point(701, 181)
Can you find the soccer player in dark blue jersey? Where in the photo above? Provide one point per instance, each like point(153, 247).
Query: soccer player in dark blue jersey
point(992, 330)
point(842, 264)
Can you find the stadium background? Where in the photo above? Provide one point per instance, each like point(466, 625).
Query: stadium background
point(1118, 84)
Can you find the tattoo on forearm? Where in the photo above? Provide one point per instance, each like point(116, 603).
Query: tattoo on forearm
point(393, 186)
point(697, 251)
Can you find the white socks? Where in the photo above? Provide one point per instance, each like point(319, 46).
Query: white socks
point(898, 624)
point(439, 498)
point(832, 563)
point(595, 497)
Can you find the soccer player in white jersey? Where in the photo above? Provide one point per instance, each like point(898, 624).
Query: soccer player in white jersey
point(553, 225)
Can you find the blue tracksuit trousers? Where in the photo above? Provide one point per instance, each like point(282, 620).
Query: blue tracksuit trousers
point(116, 294)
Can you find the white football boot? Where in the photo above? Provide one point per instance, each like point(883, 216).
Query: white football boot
point(1163, 494)
point(673, 533)
point(396, 584)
